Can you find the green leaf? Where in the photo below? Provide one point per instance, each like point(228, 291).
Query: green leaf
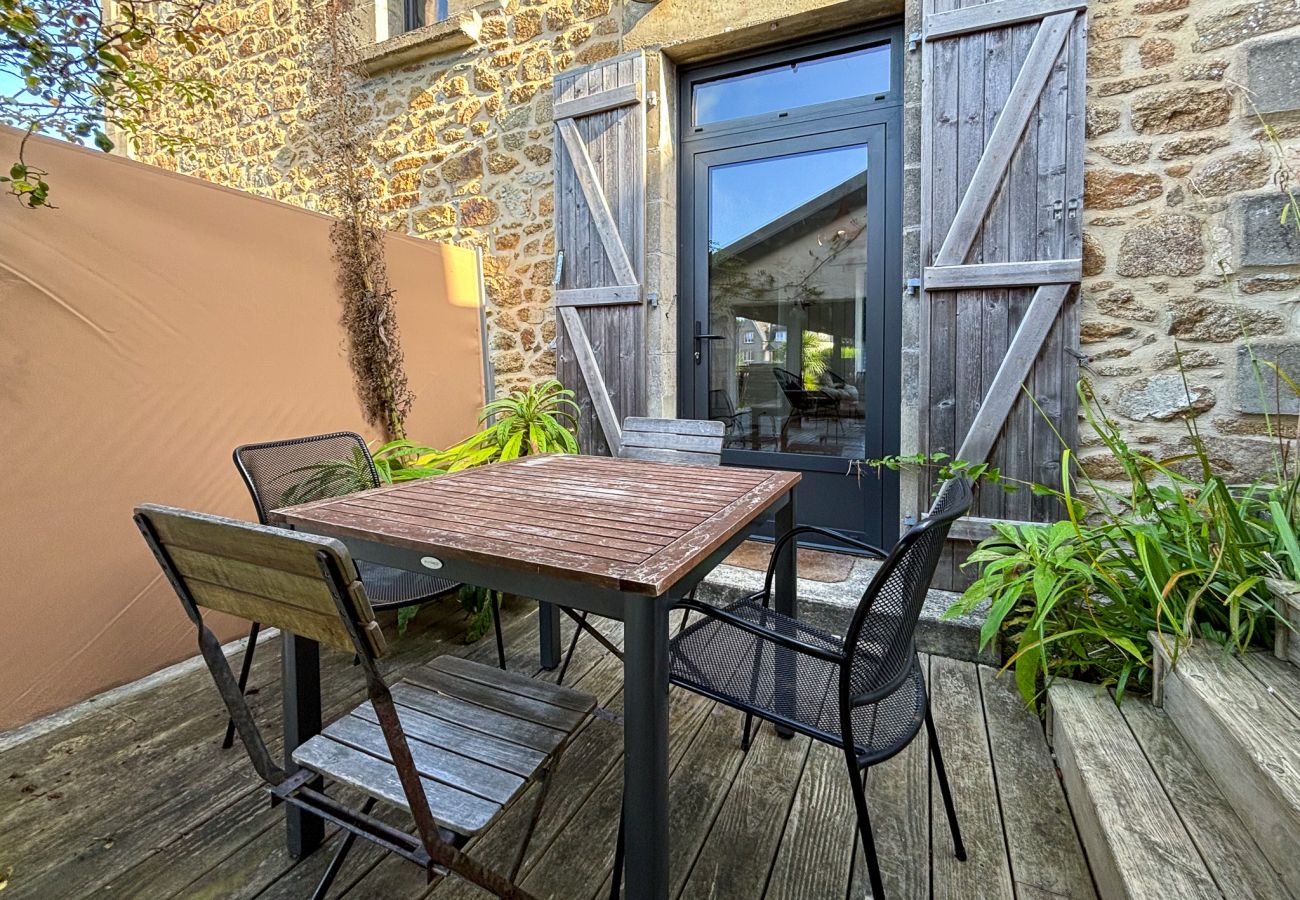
point(103, 142)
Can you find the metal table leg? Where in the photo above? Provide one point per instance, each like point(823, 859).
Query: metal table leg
point(784, 594)
point(645, 746)
point(300, 680)
point(548, 633)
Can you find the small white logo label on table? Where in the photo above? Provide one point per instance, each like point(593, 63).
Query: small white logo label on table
point(431, 562)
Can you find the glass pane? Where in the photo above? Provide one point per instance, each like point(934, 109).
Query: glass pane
point(787, 280)
point(840, 76)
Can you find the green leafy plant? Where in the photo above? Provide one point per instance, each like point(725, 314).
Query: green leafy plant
point(540, 419)
point(477, 603)
point(82, 69)
point(1178, 551)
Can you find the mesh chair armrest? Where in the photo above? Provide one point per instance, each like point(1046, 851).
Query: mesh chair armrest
point(767, 634)
point(784, 539)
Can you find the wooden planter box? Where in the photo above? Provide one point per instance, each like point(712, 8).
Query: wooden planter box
point(1287, 594)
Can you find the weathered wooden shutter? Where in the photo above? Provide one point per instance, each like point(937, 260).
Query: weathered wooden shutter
point(1002, 116)
point(600, 243)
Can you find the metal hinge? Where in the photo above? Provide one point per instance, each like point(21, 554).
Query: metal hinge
point(913, 287)
point(651, 99)
point(559, 267)
point(913, 41)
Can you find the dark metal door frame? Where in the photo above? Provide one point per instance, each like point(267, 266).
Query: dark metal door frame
point(876, 121)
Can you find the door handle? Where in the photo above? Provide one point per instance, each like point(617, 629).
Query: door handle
point(701, 336)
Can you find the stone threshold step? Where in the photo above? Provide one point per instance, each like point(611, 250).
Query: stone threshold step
point(1241, 716)
point(830, 605)
point(1153, 823)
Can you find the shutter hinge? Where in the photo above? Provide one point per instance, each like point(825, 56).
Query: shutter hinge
point(559, 267)
point(909, 521)
point(1073, 207)
point(1057, 207)
point(653, 299)
point(913, 41)
point(651, 99)
point(913, 287)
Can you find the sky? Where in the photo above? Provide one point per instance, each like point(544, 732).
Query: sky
point(746, 196)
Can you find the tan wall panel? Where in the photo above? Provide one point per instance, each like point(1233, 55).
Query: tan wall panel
point(151, 323)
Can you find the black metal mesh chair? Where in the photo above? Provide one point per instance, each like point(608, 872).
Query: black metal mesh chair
point(300, 470)
point(865, 692)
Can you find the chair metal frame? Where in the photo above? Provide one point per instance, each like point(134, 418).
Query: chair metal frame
point(431, 847)
point(954, 501)
point(262, 513)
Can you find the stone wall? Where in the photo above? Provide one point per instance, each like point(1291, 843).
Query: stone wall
point(1182, 242)
point(462, 141)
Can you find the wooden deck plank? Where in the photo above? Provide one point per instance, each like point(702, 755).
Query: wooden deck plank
point(1043, 846)
point(959, 721)
point(1234, 861)
point(786, 803)
point(898, 799)
point(1137, 846)
point(815, 858)
point(753, 817)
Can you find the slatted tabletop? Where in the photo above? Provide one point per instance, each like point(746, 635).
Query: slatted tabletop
point(630, 525)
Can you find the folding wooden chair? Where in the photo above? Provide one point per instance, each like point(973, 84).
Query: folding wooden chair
point(454, 743)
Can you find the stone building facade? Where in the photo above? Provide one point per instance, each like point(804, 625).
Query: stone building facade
point(1193, 124)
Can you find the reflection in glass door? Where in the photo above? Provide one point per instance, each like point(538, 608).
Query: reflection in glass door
point(791, 262)
point(787, 277)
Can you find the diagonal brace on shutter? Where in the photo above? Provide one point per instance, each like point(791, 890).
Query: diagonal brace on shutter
point(1005, 389)
point(589, 182)
point(590, 369)
point(1002, 142)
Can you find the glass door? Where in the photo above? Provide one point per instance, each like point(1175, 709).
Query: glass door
point(790, 312)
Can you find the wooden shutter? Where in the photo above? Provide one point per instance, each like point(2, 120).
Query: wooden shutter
point(1002, 116)
point(600, 243)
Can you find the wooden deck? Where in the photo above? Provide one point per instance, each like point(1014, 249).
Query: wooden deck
point(137, 800)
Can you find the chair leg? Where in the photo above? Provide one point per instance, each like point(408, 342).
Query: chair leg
point(573, 644)
point(864, 830)
point(332, 871)
point(616, 884)
point(244, 669)
point(959, 849)
point(543, 791)
point(744, 735)
point(496, 626)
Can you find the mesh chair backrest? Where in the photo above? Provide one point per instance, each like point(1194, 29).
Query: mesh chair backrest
point(880, 636)
point(280, 578)
point(300, 470)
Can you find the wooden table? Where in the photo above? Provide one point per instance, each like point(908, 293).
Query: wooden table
point(618, 538)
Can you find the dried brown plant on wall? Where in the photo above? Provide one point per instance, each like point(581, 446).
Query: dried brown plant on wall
point(341, 145)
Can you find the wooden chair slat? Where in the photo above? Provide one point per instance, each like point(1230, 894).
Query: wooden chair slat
point(514, 705)
point(698, 443)
point(514, 683)
point(681, 457)
point(248, 578)
point(702, 427)
point(293, 619)
point(682, 441)
point(516, 758)
point(264, 574)
point(437, 761)
point(278, 549)
point(481, 719)
point(452, 809)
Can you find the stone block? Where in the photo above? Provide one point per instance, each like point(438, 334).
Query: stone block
point(1273, 75)
point(1163, 397)
point(1180, 109)
point(1266, 392)
point(1112, 188)
point(1233, 173)
point(1245, 20)
point(1263, 239)
point(1167, 245)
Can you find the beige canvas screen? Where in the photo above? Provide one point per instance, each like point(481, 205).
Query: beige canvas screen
point(147, 326)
